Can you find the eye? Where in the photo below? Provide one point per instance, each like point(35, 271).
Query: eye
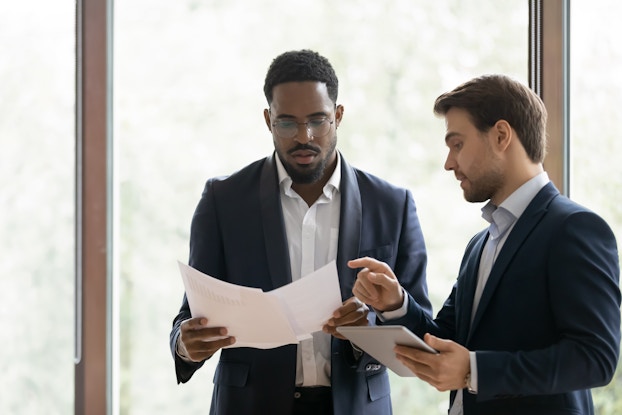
point(317, 122)
point(286, 124)
point(454, 144)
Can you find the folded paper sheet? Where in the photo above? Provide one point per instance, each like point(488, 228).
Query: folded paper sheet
point(260, 319)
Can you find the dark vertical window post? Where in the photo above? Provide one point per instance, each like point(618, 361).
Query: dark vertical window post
point(549, 60)
point(93, 207)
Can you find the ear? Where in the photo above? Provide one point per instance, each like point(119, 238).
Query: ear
point(266, 117)
point(503, 134)
point(338, 115)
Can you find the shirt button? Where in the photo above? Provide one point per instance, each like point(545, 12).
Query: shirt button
point(296, 395)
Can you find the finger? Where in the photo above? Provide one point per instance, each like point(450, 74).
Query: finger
point(358, 318)
point(203, 335)
point(366, 262)
point(350, 313)
point(352, 304)
point(212, 333)
point(382, 279)
point(332, 330)
point(202, 350)
point(367, 282)
point(215, 345)
point(410, 353)
point(373, 266)
point(363, 293)
point(409, 364)
point(421, 370)
point(345, 308)
point(194, 323)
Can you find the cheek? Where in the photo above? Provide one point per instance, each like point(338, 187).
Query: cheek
point(456, 157)
point(466, 163)
point(279, 146)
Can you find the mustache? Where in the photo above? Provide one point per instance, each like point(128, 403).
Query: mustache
point(300, 147)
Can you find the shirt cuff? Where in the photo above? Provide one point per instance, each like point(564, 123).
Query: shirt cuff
point(473, 363)
point(180, 353)
point(393, 314)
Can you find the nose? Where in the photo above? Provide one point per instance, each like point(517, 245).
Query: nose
point(306, 137)
point(450, 163)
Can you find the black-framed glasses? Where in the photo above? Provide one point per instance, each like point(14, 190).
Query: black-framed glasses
point(316, 127)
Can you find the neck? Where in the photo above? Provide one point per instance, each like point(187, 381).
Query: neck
point(516, 180)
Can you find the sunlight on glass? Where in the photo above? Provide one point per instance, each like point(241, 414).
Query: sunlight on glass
point(595, 89)
point(189, 107)
point(36, 207)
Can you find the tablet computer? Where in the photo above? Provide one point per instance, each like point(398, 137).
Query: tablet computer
point(379, 341)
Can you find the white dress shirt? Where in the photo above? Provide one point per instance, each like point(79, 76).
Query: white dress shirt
point(312, 236)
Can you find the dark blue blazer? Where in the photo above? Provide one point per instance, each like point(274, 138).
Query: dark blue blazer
point(547, 328)
point(238, 235)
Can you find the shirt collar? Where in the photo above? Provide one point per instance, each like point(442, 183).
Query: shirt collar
point(513, 207)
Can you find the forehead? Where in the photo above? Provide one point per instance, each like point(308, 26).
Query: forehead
point(301, 98)
point(458, 122)
point(458, 118)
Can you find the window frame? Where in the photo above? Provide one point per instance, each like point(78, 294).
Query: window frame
point(94, 256)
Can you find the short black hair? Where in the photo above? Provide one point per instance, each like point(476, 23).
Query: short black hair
point(300, 66)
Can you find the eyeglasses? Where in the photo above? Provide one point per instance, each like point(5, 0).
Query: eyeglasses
point(316, 127)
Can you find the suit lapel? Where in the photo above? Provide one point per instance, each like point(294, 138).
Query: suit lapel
point(466, 286)
point(274, 235)
point(349, 228)
point(523, 227)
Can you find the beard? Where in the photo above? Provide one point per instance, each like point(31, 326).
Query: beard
point(307, 174)
point(485, 186)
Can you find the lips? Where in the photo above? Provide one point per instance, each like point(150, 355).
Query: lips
point(461, 179)
point(304, 156)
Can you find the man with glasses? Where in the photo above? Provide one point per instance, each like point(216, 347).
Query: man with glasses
point(278, 220)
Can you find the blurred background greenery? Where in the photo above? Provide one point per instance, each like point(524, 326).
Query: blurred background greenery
point(188, 102)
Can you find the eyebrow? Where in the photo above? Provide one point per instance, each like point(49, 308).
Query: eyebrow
point(315, 114)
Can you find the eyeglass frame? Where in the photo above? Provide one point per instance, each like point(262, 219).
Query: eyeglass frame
point(298, 124)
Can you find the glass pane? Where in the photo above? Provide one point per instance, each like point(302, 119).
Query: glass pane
point(37, 55)
point(188, 106)
point(595, 168)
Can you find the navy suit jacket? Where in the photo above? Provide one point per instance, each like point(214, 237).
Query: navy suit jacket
point(547, 328)
point(238, 235)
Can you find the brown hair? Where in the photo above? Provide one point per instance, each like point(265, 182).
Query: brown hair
point(491, 98)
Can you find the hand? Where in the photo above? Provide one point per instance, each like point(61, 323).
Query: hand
point(445, 371)
point(352, 313)
point(377, 285)
point(199, 342)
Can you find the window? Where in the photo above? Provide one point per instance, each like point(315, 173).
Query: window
point(595, 146)
point(37, 207)
point(188, 106)
point(182, 72)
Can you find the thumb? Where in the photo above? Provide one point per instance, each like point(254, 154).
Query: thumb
point(436, 342)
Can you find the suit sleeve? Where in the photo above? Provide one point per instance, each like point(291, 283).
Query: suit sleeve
point(411, 260)
point(204, 239)
point(183, 369)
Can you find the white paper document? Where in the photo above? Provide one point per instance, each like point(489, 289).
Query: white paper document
point(264, 320)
